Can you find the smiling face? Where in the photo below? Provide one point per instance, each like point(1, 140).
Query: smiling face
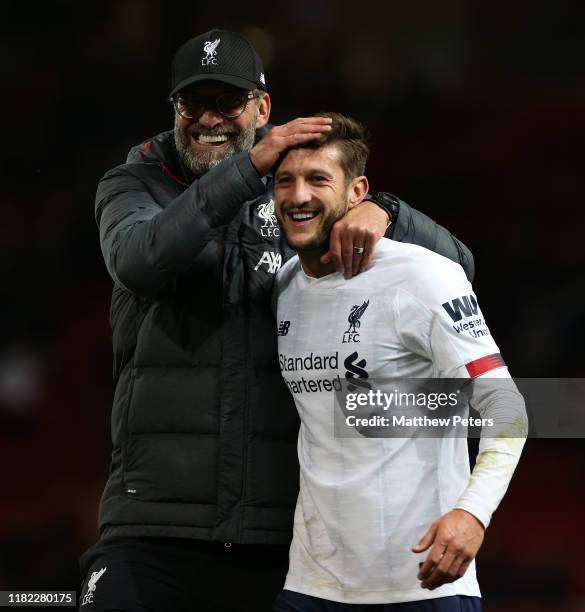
point(204, 141)
point(312, 192)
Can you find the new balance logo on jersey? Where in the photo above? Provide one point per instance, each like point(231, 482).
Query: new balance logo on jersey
point(283, 328)
point(91, 586)
point(272, 260)
point(458, 308)
point(355, 371)
point(355, 315)
point(266, 213)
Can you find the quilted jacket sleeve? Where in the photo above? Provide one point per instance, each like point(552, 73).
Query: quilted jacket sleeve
point(415, 227)
point(145, 245)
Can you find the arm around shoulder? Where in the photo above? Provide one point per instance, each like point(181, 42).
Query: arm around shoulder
point(414, 227)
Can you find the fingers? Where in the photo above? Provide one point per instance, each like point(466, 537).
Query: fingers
point(325, 259)
point(465, 563)
point(431, 562)
point(318, 121)
point(347, 255)
point(456, 568)
point(344, 237)
point(456, 538)
point(298, 138)
point(427, 539)
point(304, 125)
point(451, 567)
point(265, 153)
point(443, 572)
point(360, 228)
point(361, 239)
point(334, 254)
point(300, 130)
point(342, 254)
point(369, 244)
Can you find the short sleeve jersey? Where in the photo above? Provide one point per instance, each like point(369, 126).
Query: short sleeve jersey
point(364, 502)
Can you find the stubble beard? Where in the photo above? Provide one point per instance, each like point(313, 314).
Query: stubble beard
point(320, 242)
point(201, 162)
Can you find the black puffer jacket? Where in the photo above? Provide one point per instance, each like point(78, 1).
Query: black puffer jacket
point(203, 428)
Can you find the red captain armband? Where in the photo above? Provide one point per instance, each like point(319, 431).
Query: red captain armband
point(484, 364)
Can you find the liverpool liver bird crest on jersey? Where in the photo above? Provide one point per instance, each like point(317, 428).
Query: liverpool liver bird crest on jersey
point(356, 313)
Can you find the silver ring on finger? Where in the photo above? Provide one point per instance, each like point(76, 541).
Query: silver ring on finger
point(358, 250)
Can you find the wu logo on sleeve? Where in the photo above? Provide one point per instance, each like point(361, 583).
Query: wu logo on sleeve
point(465, 306)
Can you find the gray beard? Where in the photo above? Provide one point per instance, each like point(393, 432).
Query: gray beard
point(201, 163)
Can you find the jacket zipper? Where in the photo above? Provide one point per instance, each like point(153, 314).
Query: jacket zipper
point(248, 369)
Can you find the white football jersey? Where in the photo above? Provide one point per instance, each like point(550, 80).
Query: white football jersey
point(364, 502)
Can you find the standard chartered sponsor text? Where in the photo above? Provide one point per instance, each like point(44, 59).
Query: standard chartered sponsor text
point(309, 362)
point(312, 362)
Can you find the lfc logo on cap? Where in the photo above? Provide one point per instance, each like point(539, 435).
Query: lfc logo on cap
point(210, 49)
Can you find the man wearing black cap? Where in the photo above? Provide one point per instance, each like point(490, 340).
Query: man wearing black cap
point(198, 508)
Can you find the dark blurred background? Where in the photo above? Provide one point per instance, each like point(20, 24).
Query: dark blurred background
point(477, 116)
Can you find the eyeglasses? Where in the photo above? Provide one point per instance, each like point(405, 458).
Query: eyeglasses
point(229, 105)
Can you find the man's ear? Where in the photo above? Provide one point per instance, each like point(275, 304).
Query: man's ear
point(357, 190)
point(263, 111)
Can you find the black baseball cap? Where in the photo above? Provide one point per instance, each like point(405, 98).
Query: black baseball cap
point(217, 55)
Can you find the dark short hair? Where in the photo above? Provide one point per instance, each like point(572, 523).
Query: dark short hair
point(350, 137)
